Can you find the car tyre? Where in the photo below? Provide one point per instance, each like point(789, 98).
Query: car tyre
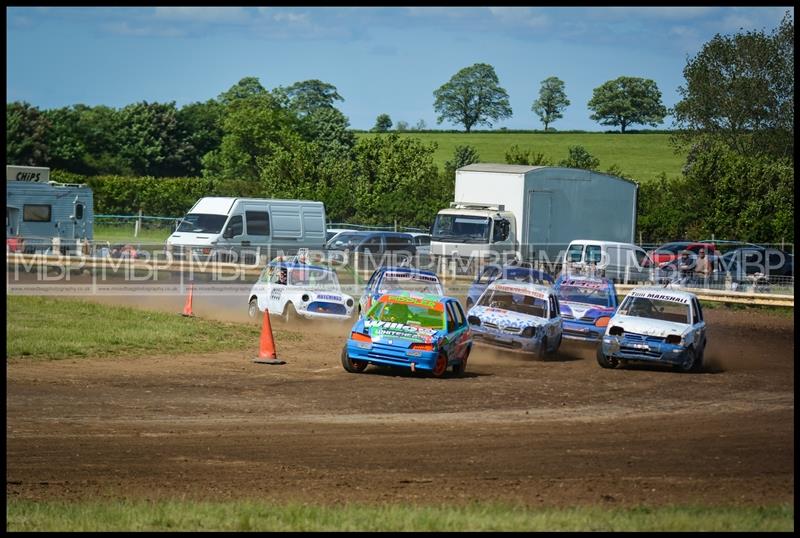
point(541, 349)
point(690, 362)
point(289, 314)
point(470, 304)
point(354, 367)
point(252, 308)
point(460, 368)
point(554, 351)
point(440, 366)
point(605, 361)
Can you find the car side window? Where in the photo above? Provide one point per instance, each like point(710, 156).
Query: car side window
point(460, 319)
point(553, 307)
point(698, 312)
point(451, 318)
point(641, 258)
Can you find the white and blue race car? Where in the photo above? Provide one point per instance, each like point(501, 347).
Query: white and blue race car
point(295, 290)
point(658, 326)
point(519, 316)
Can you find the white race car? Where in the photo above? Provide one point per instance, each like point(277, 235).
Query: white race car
point(656, 325)
point(298, 290)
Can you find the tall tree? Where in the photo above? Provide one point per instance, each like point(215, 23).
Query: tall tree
point(308, 96)
point(200, 125)
point(551, 102)
point(740, 90)
point(382, 123)
point(26, 135)
point(152, 141)
point(627, 100)
point(246, 87)
point(473, 96)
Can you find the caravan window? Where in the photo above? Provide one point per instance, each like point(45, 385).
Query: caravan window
point(36, 213)
point(78, 211)
point(257, 222)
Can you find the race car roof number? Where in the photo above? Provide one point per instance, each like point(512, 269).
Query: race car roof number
point(410, 276)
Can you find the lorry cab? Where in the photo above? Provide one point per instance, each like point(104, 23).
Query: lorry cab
point(619, 262)
point(466, 227)
point(232, 229)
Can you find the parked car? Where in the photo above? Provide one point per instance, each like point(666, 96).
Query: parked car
point(297, 290)
point(330, 233)
point(587, 305)
point(422, 242)
point(657, 326)
point(410, 330)
point(671, 251)
point(388, 278)
point(519, 316)
point(511, 271)
point(377, 245)
point(772, 264)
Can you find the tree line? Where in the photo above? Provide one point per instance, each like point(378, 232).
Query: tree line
point(735, 121)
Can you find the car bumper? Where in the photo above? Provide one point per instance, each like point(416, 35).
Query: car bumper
point(385, 355)
point(582, 332)
point(661, 353)
point(497, 338)
point(322, 315)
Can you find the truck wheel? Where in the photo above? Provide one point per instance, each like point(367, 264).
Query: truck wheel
point(252, 308)
point(604, 360)
point(440, 367)
point(354, 367)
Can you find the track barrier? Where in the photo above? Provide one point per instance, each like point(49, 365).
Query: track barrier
point(266, 345)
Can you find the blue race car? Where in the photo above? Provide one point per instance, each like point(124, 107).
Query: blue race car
point(587, 305)
point(512, 271)
point(413, 330)
point(518, 316)
point(385, 278)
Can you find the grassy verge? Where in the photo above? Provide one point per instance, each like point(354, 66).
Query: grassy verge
point(251, 516)
point(642, 156)
point(46, 328)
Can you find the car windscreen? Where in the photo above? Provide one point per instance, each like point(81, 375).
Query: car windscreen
point(643, 307)
point(202, 223)
point(461, 228)
point(515, 302)
point(312, 277)
point(582, 294)
point(415, 315)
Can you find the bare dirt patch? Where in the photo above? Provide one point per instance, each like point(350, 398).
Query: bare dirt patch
point(558, 432)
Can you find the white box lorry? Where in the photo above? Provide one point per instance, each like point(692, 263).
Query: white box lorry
point(531, 211)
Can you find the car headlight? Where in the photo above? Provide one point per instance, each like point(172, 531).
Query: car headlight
point(474, 320)
point(616, 330)
point(528, 332)
point(349, 303)
point(305, 297)
point(674, 339)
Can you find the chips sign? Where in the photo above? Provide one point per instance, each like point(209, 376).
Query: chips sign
point(32, 174)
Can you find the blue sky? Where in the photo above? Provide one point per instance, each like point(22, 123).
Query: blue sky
point(381, 60)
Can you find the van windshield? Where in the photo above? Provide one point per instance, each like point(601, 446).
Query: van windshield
point(202, 223)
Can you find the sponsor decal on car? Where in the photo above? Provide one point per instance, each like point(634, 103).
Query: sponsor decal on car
point(326, 297)
point(659, 296)
point(520, 291)
point(416, 301)
point(276, 293)
point(409, 276)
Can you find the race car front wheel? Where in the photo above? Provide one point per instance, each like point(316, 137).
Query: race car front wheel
point(604, 360)
point(354, 367)
point(252, 308)
point(289, 313)
point(689, 364)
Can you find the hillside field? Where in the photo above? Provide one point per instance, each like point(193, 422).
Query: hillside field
point(643, 156)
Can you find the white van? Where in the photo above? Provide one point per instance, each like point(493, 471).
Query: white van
point(620, 262)
point(241, 229)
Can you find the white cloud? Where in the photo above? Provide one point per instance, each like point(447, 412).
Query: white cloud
point(203, 14)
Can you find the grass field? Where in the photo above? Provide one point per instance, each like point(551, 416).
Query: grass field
point(255, 516)
point(642, 156)
point(45, 328)
point(124, 233)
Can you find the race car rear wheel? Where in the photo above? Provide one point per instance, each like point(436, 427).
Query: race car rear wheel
point(354, 367)
point(461, 367)
point(440, 367)
point(604, 360)
point(252, 308)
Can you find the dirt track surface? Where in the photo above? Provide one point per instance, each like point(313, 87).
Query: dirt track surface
point(556, 433)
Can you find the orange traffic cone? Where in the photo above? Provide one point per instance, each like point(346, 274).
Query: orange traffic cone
point(266, 346)
point(187, 309)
